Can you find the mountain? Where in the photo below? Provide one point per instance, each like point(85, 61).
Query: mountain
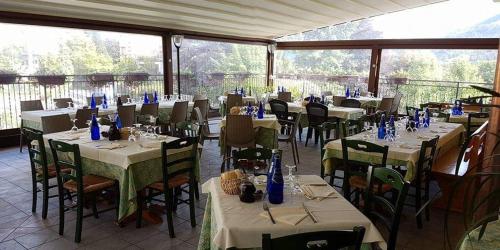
point(489, 28)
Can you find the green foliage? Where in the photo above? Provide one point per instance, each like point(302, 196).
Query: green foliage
point(461, 69)
point(11, 58)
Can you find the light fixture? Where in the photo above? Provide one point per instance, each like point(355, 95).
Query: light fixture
point(177, 40)
point(271, 47)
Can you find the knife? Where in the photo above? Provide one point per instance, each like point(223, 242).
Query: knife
point(309, 213)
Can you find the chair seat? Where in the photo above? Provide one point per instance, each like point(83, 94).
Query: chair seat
point(91, 183)
point(282, 137)
point(212, 136)
point(175, 181)
point(361, 183)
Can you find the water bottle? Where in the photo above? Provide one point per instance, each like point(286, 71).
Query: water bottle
point(249, 91)
point(347, 93)
point(276, 185)
point(242, 91)
point(260, 113)
point(155, 97)
point(322, 99)
point(92, 102)
point(146, 98)
point(311, 99)
point(460, 110)
point(271, 169)
point(118, 121)
point(283, 89)
point(417, 118)
point(104, 102)
point(427, 119)
point(249, 109)
point(392, 126)
point(359, 93)
point(381, 127)
point(236, 90)
point(119, 101)
point(95, 134)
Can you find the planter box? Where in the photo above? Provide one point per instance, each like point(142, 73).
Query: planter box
point(8, 79)
point(51, 80)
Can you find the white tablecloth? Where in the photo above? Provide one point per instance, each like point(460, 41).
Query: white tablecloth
point(239, 224)
point(361, 99)
point(246, 99)
point(339, 112)
point(269, 121)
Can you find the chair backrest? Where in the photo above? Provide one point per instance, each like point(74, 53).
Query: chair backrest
point(326, 93)
point(395, 103)
point(98, 100)
point(386, 104)
point(31, 105)
point(337, 100)
point(239, 131)
point(127, 115)
point(351, 103)
point(316, 99)
point(62, 102)
point(232, 101)
point(317, 113)
point(285, 96)
point(150, 109)
point(426, 158)
point(179, 112)
point(38, 156)
point(202, 104)
point(249, 159)
point(56, 123)
point(185, 164)
point(124, 98)
point(472, 152)
point(198, 126)
point(472, 125)
point(323, 127)
point(83, 115)
point(331, 240)
point(378, 207)
point(410, 111)
point(199, 97)
point(61, 152)
point(279, 108)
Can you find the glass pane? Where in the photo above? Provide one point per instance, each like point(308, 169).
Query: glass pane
point(305, 72)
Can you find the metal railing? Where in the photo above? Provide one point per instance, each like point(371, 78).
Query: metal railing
point(213, 85)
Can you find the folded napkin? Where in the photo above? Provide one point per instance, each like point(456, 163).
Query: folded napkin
point(110, 146)
point(423, 137)
point(150, 144)
point(315, 192)
point(286, 215)
point(68, 137)
point(407, 146)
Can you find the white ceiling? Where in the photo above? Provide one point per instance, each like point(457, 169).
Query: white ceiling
point(266, 19)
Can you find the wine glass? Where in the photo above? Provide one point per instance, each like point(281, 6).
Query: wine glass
point(152, 120)
point(291, 178)
point(74, 128)
point(129, 100)
point(132, 136)
point(69, 104)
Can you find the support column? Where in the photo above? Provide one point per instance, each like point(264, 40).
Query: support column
point(374, 71)
point(270, 63)
point(168, 78)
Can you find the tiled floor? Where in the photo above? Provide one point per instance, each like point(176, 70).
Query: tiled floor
point(22, 229)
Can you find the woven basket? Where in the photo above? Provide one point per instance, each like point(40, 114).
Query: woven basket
point(231, 187)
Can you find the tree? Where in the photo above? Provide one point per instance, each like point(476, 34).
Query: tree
point(12, 59)
point(461, 69)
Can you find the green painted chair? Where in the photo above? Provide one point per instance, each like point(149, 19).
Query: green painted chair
point(378, 207)
point(323, 141)
point(330, 240)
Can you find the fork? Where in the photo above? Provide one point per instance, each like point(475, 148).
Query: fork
point(266, 208)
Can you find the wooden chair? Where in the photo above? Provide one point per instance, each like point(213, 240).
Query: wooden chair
point(317, 114)
point(386, 105)
point(324, 127)
point(41, 171)
point(350, 103)
point(199, 97)
point(147, 110)
point(98, 100)
point(410, 111)
point(239, 133)
point(250, 159)
point(31, 105)
point(205, 132)
point(352, 127)
point(83, 185)
point(203, 106)
point(473, 125)
point(331, 240)
point(83, 115)
point(337, 100)
point(291, 137)
point(285, 96)
point(62, 102)
point(173, 180)
point(395, 104)
point(326, 93)
point(233, 100)
point(379, 208)
point(56, 123)
point(127, 115)
point(355, 171)
point(178, 115)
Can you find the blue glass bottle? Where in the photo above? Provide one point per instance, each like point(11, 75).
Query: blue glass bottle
point(146, 98)
point(322, 99)
point(95, 134)
point(416, 118)
point(260, 113)
point(92, 102)
point(381, 127)
point(276, 185)
point(460, 110)
point(311, 99)
point(392, 125)
point(427, 119)
point(271, 169)
point(118, 121)
point(155, 98)
point(104, 102)
point(347, 93)
point(249, 109)
point(242, 91)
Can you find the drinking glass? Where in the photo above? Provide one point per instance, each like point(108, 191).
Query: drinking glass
point(69, 104)
point(152, 120)
point(132, 136)
point(291, 179)
point(129, 100)
point(74, 128)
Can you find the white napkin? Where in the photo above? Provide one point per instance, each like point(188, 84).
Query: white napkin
point(151, 144)
point(68, 138)
point(315, 192)
point(110, 146)
point(286, 215)
point(407, 146)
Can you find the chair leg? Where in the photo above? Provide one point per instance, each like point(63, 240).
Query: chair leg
point(61, 208)
point(293, 153)
point(296, 150)
point(426, 199)
point(418, 204)
point(196, 191)
point(481, 232)
point(45, 205)
point(117, 200)
point(191, 203)
point(300, 132)
point(94, 206)
point(35, 192)
point(316, 136)
point(140, 203)
point(21, 142)
point(169, 200)
point(309, 134)
point(79, 218)
point(177, 192)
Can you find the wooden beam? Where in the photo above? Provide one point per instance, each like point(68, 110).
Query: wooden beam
point(492, 146)
point(270, 67)
point(374, 71)
point(168, 78)
point(445, 43)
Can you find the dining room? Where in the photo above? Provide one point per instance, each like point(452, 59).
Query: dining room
point(249, 125)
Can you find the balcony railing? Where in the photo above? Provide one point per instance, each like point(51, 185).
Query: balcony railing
point(213, 85)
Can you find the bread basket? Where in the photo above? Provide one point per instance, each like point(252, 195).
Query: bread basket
point(232, 186)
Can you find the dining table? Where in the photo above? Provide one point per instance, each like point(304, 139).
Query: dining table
point(229, 223)
point(33, 119)
point(364, 100)
point(403, 151)
point(266, 135)
point(246, 99)
point(464, 119)
point(135, 164)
